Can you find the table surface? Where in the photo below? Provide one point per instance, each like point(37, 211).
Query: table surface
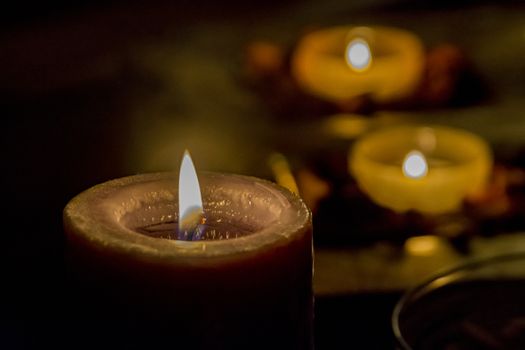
point(116, 90)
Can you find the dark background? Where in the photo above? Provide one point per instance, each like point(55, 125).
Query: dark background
point(85, 88)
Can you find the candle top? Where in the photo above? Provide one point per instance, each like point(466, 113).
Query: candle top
point(110, 213)
point(439, 149)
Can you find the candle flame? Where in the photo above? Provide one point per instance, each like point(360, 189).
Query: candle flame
point(191, 212)
point(358, 55)
point(415, 165)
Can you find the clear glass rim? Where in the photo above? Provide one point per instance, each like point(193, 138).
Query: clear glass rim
point(469, 265)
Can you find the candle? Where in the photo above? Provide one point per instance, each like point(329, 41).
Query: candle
point(478, 305)
point(344, 62)
point(428, 169)
point(241, 278)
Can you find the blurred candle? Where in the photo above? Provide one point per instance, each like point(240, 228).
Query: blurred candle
point(240, 278)
point(344, 62)
point(428, 169)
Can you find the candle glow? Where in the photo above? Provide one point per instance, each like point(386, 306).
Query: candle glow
point(424, 245)
point(358, 55)
point(415, 165)
point(282, 172)
point(191, 212)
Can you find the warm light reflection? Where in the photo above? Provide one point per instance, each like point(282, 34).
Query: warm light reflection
point(191, 212)
point(422, 245)
point(358, 55)
point(346, 126)
point(415, 165)
point(282, 172)
point(426, 138)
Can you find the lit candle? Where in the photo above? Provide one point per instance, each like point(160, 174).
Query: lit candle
point(240, 276)
point(428, 169)
point(344, 62)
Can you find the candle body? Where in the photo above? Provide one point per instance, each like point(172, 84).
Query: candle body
point(249, 292)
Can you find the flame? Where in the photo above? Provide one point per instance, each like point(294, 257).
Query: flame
point(415, 165)
point(358, 55)
point(191, 212)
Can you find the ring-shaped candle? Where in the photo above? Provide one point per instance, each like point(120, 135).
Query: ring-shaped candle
point(248, 283)
point(322, 65)
point(459, 164)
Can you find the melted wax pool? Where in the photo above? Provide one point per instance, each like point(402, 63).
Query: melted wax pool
point(212, 230)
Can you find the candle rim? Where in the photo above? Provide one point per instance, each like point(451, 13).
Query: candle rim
point(94, 224)
point(359, 153)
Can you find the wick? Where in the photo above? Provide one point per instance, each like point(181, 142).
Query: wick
point(192, 225)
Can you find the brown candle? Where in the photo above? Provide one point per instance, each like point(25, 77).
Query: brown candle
point(246, 283)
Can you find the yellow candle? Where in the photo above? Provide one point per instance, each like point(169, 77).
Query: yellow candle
point(428, 169)
point(343, 62)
